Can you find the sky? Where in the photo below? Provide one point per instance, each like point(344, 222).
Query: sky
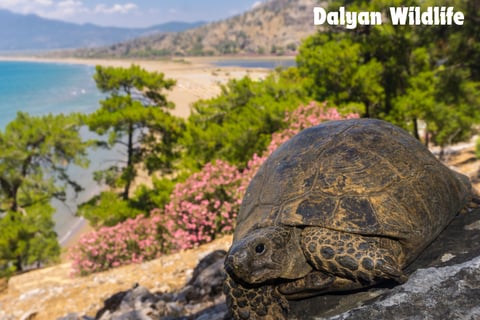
point(130, 13)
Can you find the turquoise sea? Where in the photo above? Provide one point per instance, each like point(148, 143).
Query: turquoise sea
point(42, 88)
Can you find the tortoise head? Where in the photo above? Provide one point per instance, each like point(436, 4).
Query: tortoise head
point(267, 254)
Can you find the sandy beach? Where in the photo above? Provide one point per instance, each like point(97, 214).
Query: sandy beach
point(197, 78)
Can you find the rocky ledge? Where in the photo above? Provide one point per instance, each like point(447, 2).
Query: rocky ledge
point(444, 283)
point(200, 298)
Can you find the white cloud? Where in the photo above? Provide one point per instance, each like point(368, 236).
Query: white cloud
point(68, 8)
point(45, 8)
point(116, 8)
point(64, 9)
point(11, 3)
point(256, 4)
point(44, 3)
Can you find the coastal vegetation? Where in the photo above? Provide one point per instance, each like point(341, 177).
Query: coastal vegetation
point(240, 121)
point(425, 79)
point(418, 77)
point(201, 208)
point(134, 116)
point(36, 152)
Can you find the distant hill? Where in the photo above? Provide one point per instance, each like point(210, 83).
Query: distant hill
point(30, 32)
point(274, 27)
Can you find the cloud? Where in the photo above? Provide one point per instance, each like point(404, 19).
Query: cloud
point(256, 4)
point(11, 3)
point(45, 8)
point(69, 7)
point(43, 3)
point(61, 9)
point(116, 8)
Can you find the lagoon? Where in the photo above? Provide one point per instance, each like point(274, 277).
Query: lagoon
point(256, 63)
point(55, 87)
point(42, 88)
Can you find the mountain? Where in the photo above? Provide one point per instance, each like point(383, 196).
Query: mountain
point(30, 32)
point(273, 27)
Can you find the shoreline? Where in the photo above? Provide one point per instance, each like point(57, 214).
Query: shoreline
point(197, 77)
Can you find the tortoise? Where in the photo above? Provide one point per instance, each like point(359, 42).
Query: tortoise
point(340, 206)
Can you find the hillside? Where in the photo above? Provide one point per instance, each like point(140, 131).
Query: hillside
point(50, 293)
point(30, 32)
point(274, 27)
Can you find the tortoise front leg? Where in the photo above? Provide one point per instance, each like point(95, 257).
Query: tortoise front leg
point(312, 284)
point(316, 283)
point(366, 260)
point(254, 302)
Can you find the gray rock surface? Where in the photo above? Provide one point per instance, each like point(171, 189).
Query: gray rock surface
point(451, 292)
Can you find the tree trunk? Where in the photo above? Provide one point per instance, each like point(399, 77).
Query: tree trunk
point(13, 195)
point(415, 129)
point(18, 264)
point(367, 111)
point(129, 168)
point(427, 136)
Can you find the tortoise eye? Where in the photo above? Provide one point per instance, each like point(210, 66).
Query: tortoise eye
point(260, 248)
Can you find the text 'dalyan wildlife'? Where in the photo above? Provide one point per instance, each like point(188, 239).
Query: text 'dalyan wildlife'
point(430, 16)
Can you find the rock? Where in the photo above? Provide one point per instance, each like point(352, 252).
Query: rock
point(444, 283)
point(5, 316)
point(112, 303)
point(201, 298)
point(30, 315)
point(207, 278)
point(451, 292)
point(75, 316)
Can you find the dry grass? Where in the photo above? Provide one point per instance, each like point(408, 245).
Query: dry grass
point(52, 292)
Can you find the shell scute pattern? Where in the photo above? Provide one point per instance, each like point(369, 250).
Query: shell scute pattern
point(353, 177)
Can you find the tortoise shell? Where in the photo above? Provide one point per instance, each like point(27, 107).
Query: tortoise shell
point(362, 176)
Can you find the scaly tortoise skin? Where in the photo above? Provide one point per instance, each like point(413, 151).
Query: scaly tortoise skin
point(340, 206)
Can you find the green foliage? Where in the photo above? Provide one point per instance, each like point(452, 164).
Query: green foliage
point(408, 75)
point(118, 81)
point(36, 152)
point(239, 122)
point(107, 209)
point(28, 238)
point(477, 148)
point(338, 72)
point(135, 116)
point(158, 196)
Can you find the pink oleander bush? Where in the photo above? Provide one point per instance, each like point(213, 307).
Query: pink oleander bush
point(202, 207)
point(133, 241)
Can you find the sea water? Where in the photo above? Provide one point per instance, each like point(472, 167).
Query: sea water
point(42, 88)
